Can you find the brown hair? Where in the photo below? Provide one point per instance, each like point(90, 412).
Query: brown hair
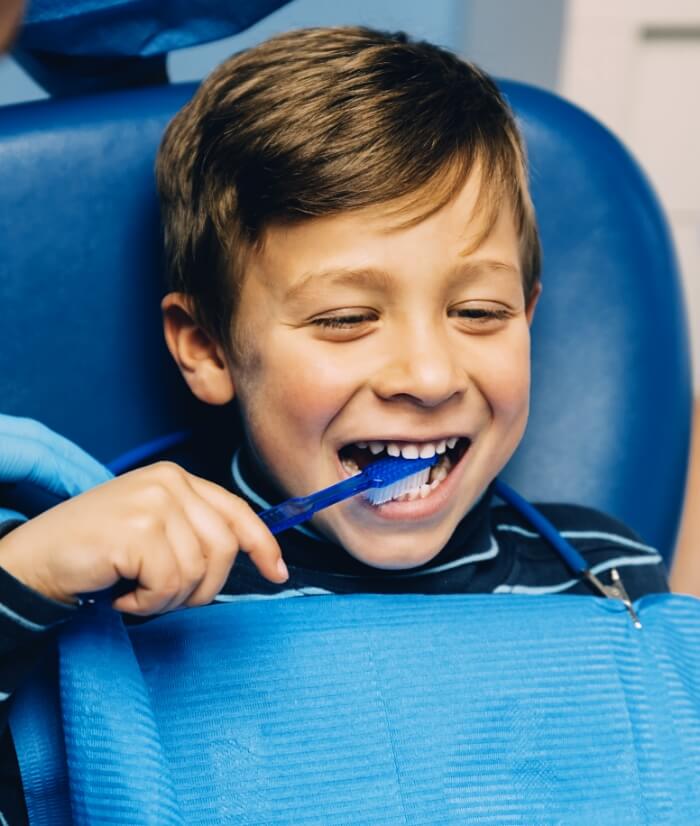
point(317, 122)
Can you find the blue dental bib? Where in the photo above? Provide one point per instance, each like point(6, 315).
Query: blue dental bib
point(364, 709)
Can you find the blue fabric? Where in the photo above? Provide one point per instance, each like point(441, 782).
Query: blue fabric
point(142, 28)
point(80, 286)
point(374, 709)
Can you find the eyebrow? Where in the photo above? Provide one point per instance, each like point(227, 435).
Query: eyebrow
point(369, 277)
point(381, 280)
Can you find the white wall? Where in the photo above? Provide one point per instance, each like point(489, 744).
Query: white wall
point(635, 64)
point(515, 39)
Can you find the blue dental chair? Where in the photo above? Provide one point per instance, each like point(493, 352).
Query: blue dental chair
point(80, 283)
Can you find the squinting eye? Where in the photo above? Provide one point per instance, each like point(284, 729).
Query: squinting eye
point(480, 314)
point(340, 321)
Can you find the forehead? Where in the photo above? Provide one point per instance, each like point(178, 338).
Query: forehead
point(387, 237)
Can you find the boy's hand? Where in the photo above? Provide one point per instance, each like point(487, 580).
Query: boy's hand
point(173, 533)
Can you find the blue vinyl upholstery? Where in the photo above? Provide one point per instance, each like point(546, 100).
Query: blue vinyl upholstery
point(80, 286)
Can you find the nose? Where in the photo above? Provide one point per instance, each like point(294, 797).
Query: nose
point(421, 366)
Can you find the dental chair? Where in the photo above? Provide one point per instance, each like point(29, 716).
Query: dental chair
point(80, 283)
point(360, 725)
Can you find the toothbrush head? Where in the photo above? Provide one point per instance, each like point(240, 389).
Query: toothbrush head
point(393, 476)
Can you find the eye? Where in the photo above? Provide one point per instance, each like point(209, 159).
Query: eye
point(486, 317)
point(478, 314)
point(342, 321)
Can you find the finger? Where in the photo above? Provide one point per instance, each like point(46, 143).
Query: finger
point(158, 579)
point(253, 535)
point(219, 563)
point(198, 538)
point(218, 542)
point(190, 556)
point(204, 566)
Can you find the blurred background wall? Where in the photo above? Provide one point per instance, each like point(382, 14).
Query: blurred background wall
point(635, 64)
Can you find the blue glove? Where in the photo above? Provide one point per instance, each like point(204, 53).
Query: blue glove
point(30, 452)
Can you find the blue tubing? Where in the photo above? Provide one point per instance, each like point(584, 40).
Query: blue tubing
point(138, 455)
point(543, 526)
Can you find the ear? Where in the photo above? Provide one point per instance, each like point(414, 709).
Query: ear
point(532, 303)
point(202, 361)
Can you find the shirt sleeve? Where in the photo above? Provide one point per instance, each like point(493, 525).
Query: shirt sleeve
point(26, 616)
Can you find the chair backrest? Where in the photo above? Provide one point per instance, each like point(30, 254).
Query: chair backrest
point(80, 287)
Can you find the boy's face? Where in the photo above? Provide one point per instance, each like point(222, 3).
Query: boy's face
point(356, 331)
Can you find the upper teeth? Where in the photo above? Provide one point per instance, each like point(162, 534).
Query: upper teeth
point(410, 450)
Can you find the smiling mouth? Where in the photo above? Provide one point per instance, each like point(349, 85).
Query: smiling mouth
point(355, 457)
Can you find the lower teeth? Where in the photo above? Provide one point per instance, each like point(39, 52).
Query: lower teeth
point(438, 473)
point(417, 493)
point(351, 466)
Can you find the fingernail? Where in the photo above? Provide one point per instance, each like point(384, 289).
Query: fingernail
point(282, 570)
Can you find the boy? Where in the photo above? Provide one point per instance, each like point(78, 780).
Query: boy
point(353, 256)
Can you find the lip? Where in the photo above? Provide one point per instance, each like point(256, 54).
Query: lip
point(402, 440)
point(416, 509)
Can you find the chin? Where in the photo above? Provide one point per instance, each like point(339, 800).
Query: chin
point(395, 545)
point(393, 553)
point(396, 562)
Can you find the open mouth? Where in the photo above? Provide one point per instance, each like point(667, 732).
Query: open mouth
point(356, 456)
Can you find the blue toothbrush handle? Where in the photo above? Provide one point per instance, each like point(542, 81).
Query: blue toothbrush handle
point(297, 510)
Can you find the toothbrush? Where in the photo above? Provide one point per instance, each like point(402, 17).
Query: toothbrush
point(384, 480)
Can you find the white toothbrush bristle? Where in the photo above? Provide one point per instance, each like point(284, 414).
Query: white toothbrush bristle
point(377, 496)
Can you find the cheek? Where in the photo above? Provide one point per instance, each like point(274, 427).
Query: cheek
point(504, 376)
point(292, 392)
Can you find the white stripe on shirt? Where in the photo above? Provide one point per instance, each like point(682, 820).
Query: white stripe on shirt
point(292, 592)
point(19, 620)
point(609, 537)
point(489, 553)
point(563, 586)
